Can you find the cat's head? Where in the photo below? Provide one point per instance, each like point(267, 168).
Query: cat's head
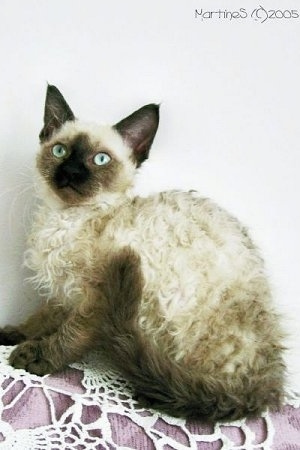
point(82, 163)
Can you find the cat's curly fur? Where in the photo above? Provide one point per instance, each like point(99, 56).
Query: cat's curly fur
point(170, 287)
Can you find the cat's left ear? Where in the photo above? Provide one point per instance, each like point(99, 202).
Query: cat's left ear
point(57, 112)
point(138, 131)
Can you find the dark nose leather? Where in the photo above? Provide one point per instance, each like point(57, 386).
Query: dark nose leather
point(71, 172)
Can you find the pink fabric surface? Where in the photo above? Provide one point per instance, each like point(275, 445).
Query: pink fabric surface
point(30, 409)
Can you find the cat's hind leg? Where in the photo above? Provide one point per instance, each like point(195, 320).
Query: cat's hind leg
point(43, 322)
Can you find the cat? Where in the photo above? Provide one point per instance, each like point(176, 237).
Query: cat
point(170, 288)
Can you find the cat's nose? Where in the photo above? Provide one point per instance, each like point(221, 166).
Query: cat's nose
point(74, 171)
point(76, 174)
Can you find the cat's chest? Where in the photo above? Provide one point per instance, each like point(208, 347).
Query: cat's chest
point(61, 251)
point(60, 239)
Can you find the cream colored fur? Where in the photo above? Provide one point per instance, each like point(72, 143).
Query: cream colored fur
point(205, 299)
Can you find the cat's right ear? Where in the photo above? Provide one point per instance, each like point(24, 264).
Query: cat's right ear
point(138, 131)
point(57, 112)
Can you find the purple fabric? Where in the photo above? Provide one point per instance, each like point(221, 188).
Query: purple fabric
point(32, 408)
point(29, 409)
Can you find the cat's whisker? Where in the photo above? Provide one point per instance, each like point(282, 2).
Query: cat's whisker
point(7, 191)
point(27, 214)
point(27, 175)
point(12, 211)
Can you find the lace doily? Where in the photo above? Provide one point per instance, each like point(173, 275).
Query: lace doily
point(89, 407)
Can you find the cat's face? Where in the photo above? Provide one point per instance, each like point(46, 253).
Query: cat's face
point(85, 163)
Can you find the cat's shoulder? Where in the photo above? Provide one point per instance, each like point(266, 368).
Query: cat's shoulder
point(177, 201)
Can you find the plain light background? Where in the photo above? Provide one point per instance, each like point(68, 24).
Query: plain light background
point(229, 94)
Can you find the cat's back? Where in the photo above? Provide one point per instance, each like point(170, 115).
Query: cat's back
point(191, 249)
point(183, 222)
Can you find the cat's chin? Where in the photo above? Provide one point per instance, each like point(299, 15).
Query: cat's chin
point(68, 199)
point(71, 196)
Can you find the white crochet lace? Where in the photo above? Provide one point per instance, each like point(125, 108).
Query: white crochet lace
point(105, 391)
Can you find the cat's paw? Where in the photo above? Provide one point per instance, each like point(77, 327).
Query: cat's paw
point(29, 356)
point(11, 336)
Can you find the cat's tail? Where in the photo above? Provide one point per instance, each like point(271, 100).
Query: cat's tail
point(159, 382)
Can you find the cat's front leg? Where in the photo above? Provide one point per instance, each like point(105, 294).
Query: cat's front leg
point(10, 335)
point(74, 337)
point(88, 325)
point(32, 356)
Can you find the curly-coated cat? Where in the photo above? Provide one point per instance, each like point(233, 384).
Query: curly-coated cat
point(170, 288)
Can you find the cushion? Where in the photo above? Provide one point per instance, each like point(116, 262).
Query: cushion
point(90, 407)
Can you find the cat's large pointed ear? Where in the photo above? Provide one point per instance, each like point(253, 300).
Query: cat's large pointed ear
point(138, 131)
point(57, 112)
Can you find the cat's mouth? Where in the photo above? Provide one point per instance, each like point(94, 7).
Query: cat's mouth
point(70, 194)
point(70, 186)
point(65, 184)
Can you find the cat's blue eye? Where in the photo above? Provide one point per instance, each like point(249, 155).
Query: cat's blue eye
point(59, 151)
point(101, 159)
